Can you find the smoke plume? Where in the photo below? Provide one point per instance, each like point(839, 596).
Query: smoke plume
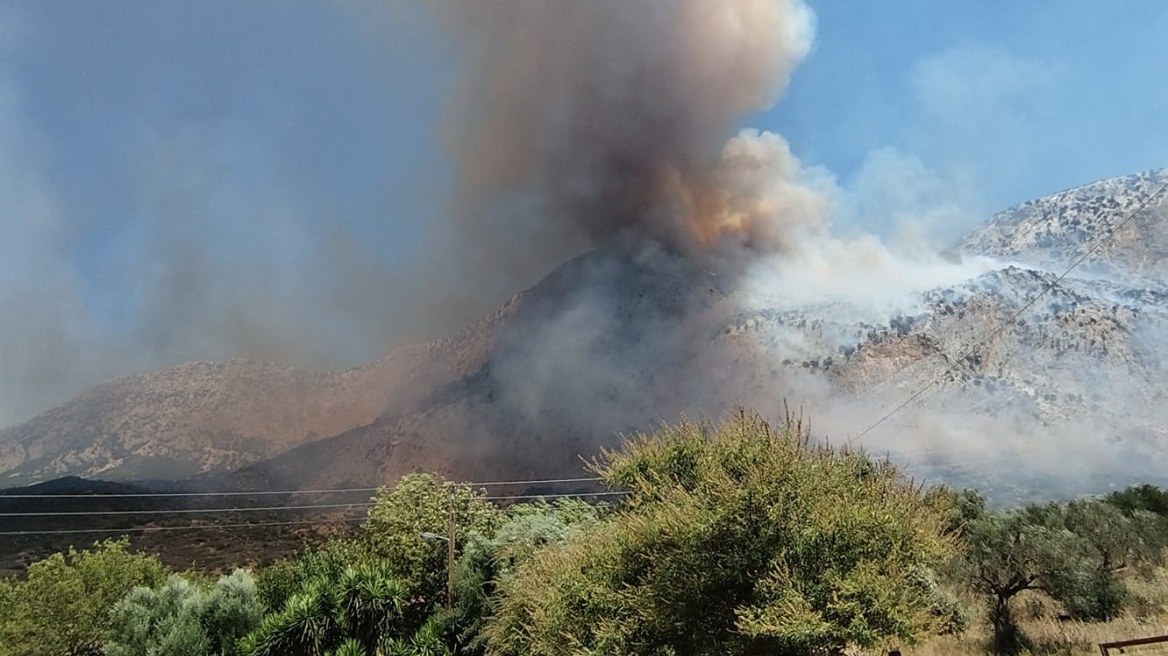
point(615, 126)
point(610, 120)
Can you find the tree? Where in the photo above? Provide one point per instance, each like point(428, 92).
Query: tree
point(1071, 552)
point(1006, 554)
point(734, 539)
point(1110, 542)
point(185, 619)
point(420, 503)
point(486, 560)
point(1140, 497)
point(63, 605)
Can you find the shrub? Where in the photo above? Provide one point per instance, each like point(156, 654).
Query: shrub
point(182, 618)
point(735, 539)
point(63, 606)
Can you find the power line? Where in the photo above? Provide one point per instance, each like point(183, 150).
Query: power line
point(553, 496)
point(1002, 327)
point(238, 509)
point(188, 527)
point(349, 490)
point(146, 529)
point(531, 482)
point(181, 511)
point(137, 495)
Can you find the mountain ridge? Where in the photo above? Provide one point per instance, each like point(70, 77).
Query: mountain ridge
point(609, 342)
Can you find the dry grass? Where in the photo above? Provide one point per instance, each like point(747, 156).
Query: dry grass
point(1147, 615)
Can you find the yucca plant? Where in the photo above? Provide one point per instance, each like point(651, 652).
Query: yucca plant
point(357, 610)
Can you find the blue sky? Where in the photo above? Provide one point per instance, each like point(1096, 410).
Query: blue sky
point(198, 180)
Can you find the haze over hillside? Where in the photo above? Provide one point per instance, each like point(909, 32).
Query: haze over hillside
point(695, 264)
point(610, 342)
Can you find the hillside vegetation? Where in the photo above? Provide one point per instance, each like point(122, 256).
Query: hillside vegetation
point(735, 538)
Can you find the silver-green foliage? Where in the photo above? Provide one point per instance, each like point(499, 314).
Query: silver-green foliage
point(488, 559)
point(182, 618)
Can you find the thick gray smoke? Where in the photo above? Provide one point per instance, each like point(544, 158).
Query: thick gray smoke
point(707, 271)
point(609, 121)
point(612, 125)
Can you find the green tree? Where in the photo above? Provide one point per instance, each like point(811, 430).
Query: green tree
point(1141, 497)
point(485, 561)
point(420, 503)
point(1110, 542)
point(734, 539)
point(1072, 552)
point(63, 605)
point(185, 619)
point(1007, 554)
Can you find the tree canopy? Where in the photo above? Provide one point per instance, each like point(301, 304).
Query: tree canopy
point(736, 538)
point(63, 605)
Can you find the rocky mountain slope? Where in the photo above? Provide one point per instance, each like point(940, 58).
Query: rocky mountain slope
point(1071, 383)
point(1067, 389)
point(219, 416)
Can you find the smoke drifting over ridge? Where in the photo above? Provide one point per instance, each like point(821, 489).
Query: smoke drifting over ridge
point(615, 122)
point(573, 126)
point(612, 119)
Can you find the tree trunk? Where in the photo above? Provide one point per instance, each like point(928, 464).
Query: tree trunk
point(1008, 639)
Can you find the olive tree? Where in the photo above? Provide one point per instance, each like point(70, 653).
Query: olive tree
point(184, 618)
point(1072, 552)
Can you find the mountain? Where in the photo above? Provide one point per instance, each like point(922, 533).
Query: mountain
point(218, 416)
point(1053, 231)
point(1009, 372)
point(1040, 382)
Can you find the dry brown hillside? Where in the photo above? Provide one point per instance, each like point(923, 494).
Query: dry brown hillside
point(218, 416)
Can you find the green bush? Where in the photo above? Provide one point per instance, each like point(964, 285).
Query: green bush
point(277, 582)
point(392, 534)
point(185, 619)
point(735, 539)
point(364, 606)
point(63, 605)
point(486, 560)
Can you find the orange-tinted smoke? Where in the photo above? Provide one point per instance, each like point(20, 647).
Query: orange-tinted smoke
point(612, 117)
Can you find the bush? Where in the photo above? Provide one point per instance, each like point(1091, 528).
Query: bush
point(359, 609)
point(735, 539)
point(63, 606)
point(487, 560)
point(185, 619)
point(420, 503)
point(277, 582)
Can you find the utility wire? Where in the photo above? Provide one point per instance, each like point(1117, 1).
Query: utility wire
point(531, 482)
point(553, 496)
point(144, 529)
point(1002, 327)
point(181, 511)
point(137, 495)
point(238, 509)
point(349, 490)
point(187, 527)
